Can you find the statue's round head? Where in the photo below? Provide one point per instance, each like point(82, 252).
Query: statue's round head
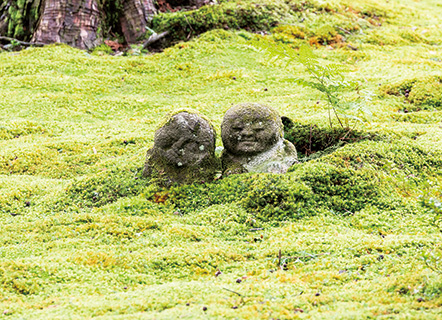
point(250, 129)
point(185, 140)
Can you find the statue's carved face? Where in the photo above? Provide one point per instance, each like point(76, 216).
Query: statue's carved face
point(185, 140)
point(250, 130)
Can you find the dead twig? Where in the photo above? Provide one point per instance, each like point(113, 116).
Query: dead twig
point(23, 43)
point(310, 140)
point(190, 26)
point(343, 30)
point(233, 292)
point(154, 38)
point(279, 257)
point(352, 47)
point(238, 294)
point(312, 256)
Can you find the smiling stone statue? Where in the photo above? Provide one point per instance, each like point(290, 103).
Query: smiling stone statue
point(183, 151)
point(252, 135)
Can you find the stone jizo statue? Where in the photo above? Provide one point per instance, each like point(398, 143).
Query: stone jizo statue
point(252, 135)
point(183, 151)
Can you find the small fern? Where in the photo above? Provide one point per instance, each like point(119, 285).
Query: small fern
point(328, 78)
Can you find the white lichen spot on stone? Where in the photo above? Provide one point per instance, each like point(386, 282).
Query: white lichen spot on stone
point(201, 147)
point(179, 164)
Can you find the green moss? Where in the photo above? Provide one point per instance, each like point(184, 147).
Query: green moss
point(288, 33)
point(427, 92)
point(412, 36)
point(102, 50)
point(103, 188)
point(18, 17)
point(227, 219)
point(16, 129)
point(14, 200)
point(382, 38)
point(274, 197)
point(309, 189)
point(347, 224)
point(403, 157)
point(341, 189)
point(249, 14)
point(22, 278)
point(423, 93)
point(423, 117)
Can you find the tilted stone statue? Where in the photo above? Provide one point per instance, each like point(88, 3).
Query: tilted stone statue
point(252, 135)
point(183, 151)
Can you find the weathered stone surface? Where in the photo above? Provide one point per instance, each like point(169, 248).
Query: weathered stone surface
point(252, 135)
point(183, 151)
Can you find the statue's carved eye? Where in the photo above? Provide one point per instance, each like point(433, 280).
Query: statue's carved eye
point(165, 144)
point(237, 128)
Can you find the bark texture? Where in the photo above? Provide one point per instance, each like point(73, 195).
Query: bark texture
point(135, 17)
point(74, 22)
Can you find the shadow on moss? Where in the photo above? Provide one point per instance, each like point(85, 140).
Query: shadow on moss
point(312, 141)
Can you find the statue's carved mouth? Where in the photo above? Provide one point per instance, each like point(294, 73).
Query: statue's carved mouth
point(247, 142)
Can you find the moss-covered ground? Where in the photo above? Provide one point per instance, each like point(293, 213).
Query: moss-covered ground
point(352, 232)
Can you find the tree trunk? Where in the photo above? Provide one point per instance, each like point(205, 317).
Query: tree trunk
point(75, 23)
point(135, 18)
point(79, 23)
point(82, 23)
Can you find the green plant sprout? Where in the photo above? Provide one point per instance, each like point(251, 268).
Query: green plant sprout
point(329, 79)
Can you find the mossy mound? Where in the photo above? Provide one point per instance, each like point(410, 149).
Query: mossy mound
point(281, 200)
point(289, 21)
point(344, 182)
point(102, 188)
point(22, 278)
point(309, 190)
point(229, 219)
point(252, 15)
point(14, 199)
point(422, 117)
point(394, 37)
point(19, 128)
point(423, 93)
point(403, 157)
